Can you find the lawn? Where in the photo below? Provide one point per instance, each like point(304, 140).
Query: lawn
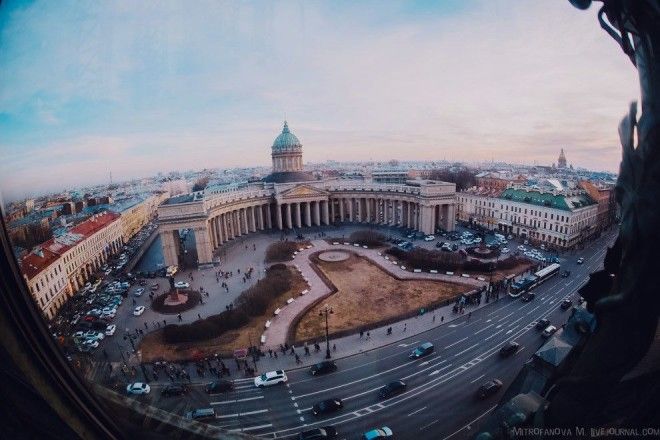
point(366, 294)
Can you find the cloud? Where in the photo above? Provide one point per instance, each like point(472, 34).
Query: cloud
point(110, 85)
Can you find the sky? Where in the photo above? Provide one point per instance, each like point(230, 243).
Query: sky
point(134, 88)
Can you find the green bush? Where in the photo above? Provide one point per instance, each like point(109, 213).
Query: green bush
point(427, 259)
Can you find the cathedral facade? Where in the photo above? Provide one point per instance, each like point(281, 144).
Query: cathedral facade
point(291, 199)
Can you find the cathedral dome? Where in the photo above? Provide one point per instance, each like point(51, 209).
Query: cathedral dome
point(286, 141)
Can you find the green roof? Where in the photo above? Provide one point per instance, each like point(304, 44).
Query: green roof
point(547, 200)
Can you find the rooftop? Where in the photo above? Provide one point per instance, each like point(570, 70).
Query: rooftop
point(565, 202)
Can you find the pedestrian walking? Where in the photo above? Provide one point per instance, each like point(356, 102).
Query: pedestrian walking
point(361, 333)
point(270, 352)
point(164, 322)
point(298, 361)
point(334, 347)
point(368, 336)
point(146, 326)
point(275, 354)
point(307, 351)
point(433, 318)
point(442, 318)
point(180, 318)
point(469, 316)
point(405, 327)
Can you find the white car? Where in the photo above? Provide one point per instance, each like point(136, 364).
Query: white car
point(94, 335)
point(92, 343)
point(138, 388)
point(107, 271)
point(429, 238)
point(549, 331)
point(139, 291)
point(110, 330)
point(270, 378)
point(505, 250)
point(181, 285)
point(138, 311)
point(78, 335)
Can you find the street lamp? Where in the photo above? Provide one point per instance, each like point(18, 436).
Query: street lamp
point(325, 311)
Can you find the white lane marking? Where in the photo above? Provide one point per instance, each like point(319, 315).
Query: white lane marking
point(493, 335)
point(424, 363)
point(457, 342)
point(519, 319)
point(488, 320)
point(508, 332)
point(500, 320)
point(532, 311)
point(250, 428)
point(226, 416)
point(226, 402)
point(467, 349)
point(295, 405)
point(484, 329)
point(434, 372)
point(416, 411)
point(469, 424)
point(409, 344)
point(473, 381)
point(452, 325)
point(499, 326)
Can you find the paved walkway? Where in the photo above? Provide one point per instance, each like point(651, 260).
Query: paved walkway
point(279, 325)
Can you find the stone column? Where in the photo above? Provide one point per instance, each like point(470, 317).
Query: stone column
point(253, 220)
point(211, 228)
point(326, 212)
point(298, 215)
point(317, 213)
point(269, 217)
point(246, 225)
point(331, 202)
point(308, 214)
point(289, 220)
point(169, 248)
point(221, 233)
point(237, 223)
point(341, 209)
point(261, 217)
point(368, 203)
point(350, 209)
point(203, 245)
point(278, 216)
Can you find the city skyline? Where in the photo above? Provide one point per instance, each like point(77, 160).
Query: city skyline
point(88, 92)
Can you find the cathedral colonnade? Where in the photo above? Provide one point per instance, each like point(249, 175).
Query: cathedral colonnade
point(226, 222)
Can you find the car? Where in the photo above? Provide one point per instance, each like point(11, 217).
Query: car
point(138, 311)
point(200, 414)
point(219, 386)
point(155, 286)
point(110, 330)
point(423, 350)
point(318, 433)
point(489, 388)
point(181, 285)
point(429, 238)
point(505, 250)
point(174, 389)
point(139, 291)
point(566, 274)
point(323, 368)
point(527, 296)
point(377, 433)
point(509, 349)
point(542, 324)
point(566, 304)
point(327, 406)
point(78, 335)
point(91, 343)
point(580, 260)
point(92, 334)
point(107, 271)
point(270, 378)
point(392, 389)
point(549, 331)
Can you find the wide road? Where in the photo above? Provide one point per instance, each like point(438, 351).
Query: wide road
point(439, 400)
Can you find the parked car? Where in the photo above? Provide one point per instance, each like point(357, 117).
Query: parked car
point(489, 388)
point(200, 414)
point(110, 330)
point(139, 291)
point(270, 378)
point(327, 406)
point(542, 324)
point(505, 250)
point(429, 238)
point(392, 389)
point(566, 304)
point(138, 311)
point(219, 386)
point(549, 331)
point(174, 389)
point(323, 368)
point(181, 285)
point(318, 433)
point(423, 350)
point(566, 274)
point(377, 433)
point(580, 260)
point(510, 348)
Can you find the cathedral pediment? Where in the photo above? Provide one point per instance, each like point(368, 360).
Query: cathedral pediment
point(303, 191)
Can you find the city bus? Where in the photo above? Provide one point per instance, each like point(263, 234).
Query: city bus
point(521, 286)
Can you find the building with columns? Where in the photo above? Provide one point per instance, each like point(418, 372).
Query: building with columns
point(58, 268)
point(291, 199)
